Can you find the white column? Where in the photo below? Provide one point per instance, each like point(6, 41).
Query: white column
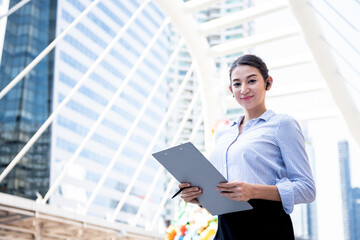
point(198, 47)
point(326, 63)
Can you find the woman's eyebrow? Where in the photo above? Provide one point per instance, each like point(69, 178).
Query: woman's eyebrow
point(251, 75)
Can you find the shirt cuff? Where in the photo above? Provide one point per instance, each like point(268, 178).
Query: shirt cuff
point(286, 192)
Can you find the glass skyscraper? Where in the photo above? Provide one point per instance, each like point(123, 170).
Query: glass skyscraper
point(356, 213)
point(22, 111)
point(26, 107)
point(4, 6)
point(350, 195)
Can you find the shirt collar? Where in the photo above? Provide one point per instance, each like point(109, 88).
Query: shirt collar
point(265, 116)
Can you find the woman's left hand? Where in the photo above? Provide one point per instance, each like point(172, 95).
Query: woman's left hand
point(235, 190)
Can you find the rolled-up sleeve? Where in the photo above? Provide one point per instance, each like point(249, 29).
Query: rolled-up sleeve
point(299, 185)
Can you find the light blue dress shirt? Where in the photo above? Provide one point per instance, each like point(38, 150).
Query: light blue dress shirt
point(270, 150)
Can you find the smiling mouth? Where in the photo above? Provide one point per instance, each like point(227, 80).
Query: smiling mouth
point(246, 98)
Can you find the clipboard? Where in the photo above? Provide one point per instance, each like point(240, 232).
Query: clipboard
point(187, 164)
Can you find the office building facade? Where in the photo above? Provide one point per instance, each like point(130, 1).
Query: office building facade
point(27, 106)
point(52, 80)
point(350, 195)
point(356, 213)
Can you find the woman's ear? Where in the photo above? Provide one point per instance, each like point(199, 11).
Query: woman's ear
point(268, 83)
point(230, 88)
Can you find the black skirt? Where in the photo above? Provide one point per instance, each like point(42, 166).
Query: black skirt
point(267, 220)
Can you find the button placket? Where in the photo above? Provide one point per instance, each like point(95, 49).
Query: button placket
point(226, 155)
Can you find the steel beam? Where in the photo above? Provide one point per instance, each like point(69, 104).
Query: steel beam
point(241, 17)
point(327, 65)
point(297, 89)
point(197, 5)
point(198, 48)
point(291, 61)
point(242, 44)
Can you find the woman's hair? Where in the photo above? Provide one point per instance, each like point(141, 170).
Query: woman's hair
point(251, 60)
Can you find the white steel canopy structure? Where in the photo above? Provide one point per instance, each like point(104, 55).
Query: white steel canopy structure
point(294, 45)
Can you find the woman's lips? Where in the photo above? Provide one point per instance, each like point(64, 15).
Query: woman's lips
point(247, 98)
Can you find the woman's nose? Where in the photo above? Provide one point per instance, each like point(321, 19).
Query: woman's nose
point(244, 88)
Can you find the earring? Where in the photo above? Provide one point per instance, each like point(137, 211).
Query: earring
point(233, 95)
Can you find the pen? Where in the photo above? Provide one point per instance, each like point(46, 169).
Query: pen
point(177, 193)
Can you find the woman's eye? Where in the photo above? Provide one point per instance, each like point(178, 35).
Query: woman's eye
point(252, 81)
point(236, 84)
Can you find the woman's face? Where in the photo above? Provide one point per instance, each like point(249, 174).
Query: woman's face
point(248, 87)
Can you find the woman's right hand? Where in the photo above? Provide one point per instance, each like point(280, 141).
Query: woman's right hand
point(190, 194)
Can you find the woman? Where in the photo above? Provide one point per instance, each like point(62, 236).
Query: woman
point(263, 157)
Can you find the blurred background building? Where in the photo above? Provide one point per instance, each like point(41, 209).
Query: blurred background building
point(24, 110)
point(350, 195)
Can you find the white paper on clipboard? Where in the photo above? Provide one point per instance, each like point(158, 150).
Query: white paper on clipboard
point(187, 164)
